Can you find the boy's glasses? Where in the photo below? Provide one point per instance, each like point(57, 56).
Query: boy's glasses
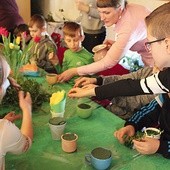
point(148, 44)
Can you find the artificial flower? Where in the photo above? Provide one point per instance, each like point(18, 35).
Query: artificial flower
point(57, 97)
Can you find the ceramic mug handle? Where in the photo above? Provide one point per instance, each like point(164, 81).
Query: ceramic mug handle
point(88, 159)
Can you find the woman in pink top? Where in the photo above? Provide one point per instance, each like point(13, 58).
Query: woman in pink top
point(130, 34)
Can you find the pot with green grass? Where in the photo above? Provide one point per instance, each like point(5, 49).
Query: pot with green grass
point(153, 132)
point(69, 142)
point(84, 110)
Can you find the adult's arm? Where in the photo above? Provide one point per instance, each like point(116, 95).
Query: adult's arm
point(93, 12)
point(139, 74)
point(124, 41)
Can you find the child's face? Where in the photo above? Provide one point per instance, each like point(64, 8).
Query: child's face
point(74, 43)
point(35, 31)
point(160, 51)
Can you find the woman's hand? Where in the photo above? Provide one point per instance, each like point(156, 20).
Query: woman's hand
point(147, 146)
point(109, 43)
point(67, 75)
point(82, 81)
point(127, 130)
point(81, 92)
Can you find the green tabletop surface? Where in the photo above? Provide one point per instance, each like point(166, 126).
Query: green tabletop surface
point(95, 131)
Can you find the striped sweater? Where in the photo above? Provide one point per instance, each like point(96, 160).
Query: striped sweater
point(155, 84)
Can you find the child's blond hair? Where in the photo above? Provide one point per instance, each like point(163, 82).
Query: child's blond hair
point(38, 20)
point(71, 28)
point(158, 22)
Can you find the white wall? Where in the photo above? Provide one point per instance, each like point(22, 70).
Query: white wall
point(54, 6)
point(151, 4)
point(24, 9)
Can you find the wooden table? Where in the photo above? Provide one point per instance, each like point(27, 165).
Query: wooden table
point(97, 130)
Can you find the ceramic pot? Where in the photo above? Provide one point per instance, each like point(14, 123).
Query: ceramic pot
point(84, 110)
point(99, 52)
point(69, 142)
point(51, 78)
point(57, 126)
point(100, 158)
point(153, 133)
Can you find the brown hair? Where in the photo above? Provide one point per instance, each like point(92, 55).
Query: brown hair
point(70, 29)
point(111, 3)
point(158, 22)
point(39, 20)
point(20, 29)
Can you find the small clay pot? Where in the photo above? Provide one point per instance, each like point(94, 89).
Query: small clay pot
point(99, 52)
point(69, 142)
point(52, 78)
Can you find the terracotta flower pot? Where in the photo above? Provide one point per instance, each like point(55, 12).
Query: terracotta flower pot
point(51, 78)
point(69, 142)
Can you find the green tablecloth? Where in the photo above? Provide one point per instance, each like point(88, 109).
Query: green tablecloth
point(97, 130)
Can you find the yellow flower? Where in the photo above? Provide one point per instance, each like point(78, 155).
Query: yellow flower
point(57, 97)
point(18, 40)
point(11, 45)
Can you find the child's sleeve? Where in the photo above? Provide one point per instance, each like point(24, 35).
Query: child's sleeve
point(147, 116)
point(164, 148)
point(65, 63)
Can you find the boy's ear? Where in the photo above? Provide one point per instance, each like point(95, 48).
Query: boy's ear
point(43, 29)
point(167, 41)
point(82, 38)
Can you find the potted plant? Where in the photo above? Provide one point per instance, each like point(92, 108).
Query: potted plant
point(153, 132)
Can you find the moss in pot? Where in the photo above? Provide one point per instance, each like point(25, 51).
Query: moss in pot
point(101, 153)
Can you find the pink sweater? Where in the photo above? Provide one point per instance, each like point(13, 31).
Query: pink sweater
point(130, 34)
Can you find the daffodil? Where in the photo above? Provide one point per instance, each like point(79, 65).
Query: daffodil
point(18, 40)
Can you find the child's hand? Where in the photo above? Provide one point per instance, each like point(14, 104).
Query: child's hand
point(82, 81)
point(67, 75)
point(11, 116)
point(14, 83)
point(80, 92)
point(127, 130)
point(89, 86)
point(53, 58)
point(147, 145)
point(25, 101)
